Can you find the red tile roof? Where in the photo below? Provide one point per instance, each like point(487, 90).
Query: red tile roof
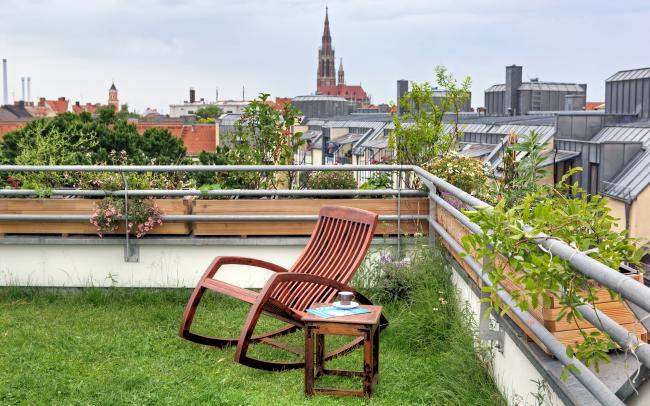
point(195, 137)
point(349, 92)
point(88, 107)
point(594, 105)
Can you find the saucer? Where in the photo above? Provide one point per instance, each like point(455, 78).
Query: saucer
point(352, 305)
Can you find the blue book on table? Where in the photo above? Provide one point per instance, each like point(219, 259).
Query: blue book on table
point(331, 311)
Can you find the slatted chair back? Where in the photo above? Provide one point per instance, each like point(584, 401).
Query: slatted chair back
point(335, 250)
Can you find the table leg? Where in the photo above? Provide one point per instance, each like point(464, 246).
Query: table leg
point(375, 357)
point(309, 361)
point(320, 354)
point(368, 362)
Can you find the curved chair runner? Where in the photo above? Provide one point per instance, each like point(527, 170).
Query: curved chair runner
point(335, 250)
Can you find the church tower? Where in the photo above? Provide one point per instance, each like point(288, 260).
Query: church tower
point(112, 98)
point(326, 59)
point(341, 74)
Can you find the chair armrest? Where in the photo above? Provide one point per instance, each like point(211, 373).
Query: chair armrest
point(218, 262)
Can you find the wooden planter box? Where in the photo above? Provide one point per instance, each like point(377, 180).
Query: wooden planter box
point(77, 206)
point(409, 206)
point(567, 333)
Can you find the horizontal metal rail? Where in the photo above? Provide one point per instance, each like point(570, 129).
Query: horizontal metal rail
point(219, 192)
point(201, 168)
point(594, 385)
point(200, 217)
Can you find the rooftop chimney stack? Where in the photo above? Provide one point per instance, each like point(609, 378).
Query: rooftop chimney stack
point(513, 82)
point(402, 88)
point(192, 95)
point(22, 80)
point(29, 88)
point(5, 90)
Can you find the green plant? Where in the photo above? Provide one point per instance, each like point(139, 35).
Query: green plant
point(264, 136)
point(511, 252)
point(521, 168)
point(378, 180)
point(468, 174)
point(143, 215)
point(419, 134)
point(209, 113)
point(331, 180)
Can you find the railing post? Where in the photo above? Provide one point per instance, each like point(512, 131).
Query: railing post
point(131, 252)
point(433, 212)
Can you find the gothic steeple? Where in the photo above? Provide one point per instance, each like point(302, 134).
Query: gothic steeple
point(326, 59)
point(341, 74)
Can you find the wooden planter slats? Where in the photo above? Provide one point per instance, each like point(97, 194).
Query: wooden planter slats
point(566, 332)
point(77, 206)
point(409, 206)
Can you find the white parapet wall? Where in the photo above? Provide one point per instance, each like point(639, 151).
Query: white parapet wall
point(162, 262)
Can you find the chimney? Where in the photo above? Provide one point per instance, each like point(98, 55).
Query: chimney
point(402, 88)
point(584, 86)
point(5, 90)
point(192, 95)
point(513, 82)
point(22, 79)
point(29, 88)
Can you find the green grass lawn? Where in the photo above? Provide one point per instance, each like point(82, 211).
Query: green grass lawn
point(120, 346)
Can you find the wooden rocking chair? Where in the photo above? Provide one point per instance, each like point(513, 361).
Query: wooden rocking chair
point(335, 250)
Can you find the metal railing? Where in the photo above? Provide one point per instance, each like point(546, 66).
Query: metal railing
point(631, 290)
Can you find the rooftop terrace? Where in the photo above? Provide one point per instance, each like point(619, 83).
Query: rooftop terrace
point(129, 335)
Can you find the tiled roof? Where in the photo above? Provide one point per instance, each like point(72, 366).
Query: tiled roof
point(589, 106)
point(349, 92)
point(195, 137)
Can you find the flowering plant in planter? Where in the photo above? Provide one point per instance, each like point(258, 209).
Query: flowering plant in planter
point(143, 215)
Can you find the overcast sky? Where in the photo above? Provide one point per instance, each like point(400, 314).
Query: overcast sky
point(156, 49)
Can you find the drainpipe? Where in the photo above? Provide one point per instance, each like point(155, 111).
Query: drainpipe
point(628, 207)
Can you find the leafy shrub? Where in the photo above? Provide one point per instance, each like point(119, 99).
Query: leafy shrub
point(378, 180)
point(468, 174)
point(143, 215)
point(331, 180)
point(564, 212)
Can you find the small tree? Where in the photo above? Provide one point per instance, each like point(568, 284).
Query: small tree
point(419, 134)
point(209, 112)
point(264, 136)
point(455, 96)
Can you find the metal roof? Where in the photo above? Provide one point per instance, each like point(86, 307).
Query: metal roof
point(475, 150)
point(624, 133)
point(347, 139)
point(632, 180)
point(632, 74)
point(548, 86)
point(551, 87)
point(634, 177)
point(496, 88)
point(229, 119)
point(558, 156)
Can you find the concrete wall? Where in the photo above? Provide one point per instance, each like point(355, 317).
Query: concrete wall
point(618, 212)
point(336, 133)
point(640, 216)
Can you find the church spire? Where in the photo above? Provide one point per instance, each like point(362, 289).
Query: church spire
point(341, 74)
point(326, 60)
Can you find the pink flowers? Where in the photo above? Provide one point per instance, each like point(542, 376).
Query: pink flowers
point(143, 216)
